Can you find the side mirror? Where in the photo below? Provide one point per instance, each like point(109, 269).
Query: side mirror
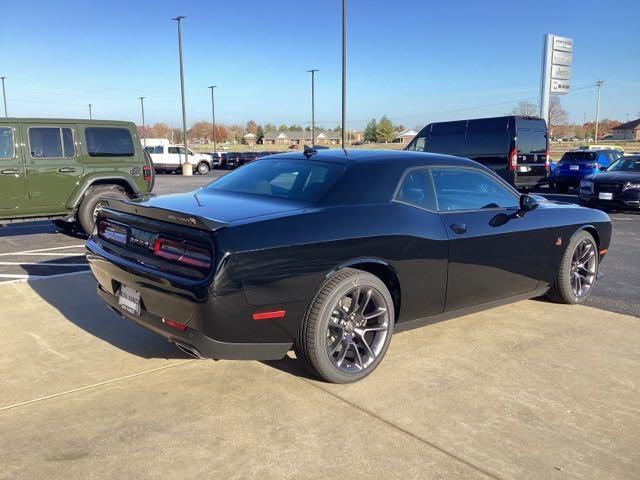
point(527, 204)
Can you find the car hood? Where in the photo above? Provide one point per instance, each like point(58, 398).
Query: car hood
point(615, 177)
point(220, 206)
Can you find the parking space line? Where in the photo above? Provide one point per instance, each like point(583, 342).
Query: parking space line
point(94, 385)
point(23, 278)
point(27, 252)
point(45, 264)
point(49, 254)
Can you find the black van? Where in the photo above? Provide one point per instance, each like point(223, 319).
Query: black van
point(516, 148)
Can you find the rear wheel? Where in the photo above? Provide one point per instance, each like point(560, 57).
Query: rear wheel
point(203, 168)
point(578, 270)
point(93, 200)
point(348, 327)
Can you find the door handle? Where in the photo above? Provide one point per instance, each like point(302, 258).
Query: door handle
point(66, 170)
point(10, 171)
point(458, 228)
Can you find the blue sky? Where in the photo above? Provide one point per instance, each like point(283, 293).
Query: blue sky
point(416, 61)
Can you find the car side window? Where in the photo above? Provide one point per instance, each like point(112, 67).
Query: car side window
point(416, 189)
point(51, 142)
point(467, 189)
point(6, 143)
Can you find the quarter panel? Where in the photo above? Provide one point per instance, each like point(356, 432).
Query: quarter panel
point(286, 259)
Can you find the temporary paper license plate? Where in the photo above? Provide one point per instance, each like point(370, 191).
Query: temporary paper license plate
point(129, 300)
point(605, 196)
point(574, 167)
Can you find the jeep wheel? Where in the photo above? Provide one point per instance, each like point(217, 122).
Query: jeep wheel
point(93, 200)
point(203, 168)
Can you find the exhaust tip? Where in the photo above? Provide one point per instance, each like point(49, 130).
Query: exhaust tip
point(189, 350)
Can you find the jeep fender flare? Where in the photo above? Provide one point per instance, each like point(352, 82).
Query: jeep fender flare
point(91, 180)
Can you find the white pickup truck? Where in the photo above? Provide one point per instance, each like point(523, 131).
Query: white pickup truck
point(169, 158)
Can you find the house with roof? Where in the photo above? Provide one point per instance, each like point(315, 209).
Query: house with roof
point(249, 138)
point(627, 131)
point(300, 138)
point(404, 136)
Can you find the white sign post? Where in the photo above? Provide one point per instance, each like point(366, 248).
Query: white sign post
point(557, 58)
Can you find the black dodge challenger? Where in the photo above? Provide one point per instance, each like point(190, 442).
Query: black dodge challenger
point(329, 252)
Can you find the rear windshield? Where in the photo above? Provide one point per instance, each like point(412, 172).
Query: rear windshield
point(531, 142)
point(290, 179)
point(579, 157)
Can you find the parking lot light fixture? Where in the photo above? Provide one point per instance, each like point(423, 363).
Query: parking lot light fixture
point(344, 71)
point(186, 166)
point(4, 97)
point(313, 105)
point(144, 127)
point(213, 117)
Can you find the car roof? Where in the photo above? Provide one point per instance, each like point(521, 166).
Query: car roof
point(53, 121)
point(347, 157)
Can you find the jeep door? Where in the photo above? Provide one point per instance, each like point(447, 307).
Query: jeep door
point(53, 166)
point(12, 188)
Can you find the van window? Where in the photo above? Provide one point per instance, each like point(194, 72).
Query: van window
point(109, 142)
point(532, 144)
point(51, 142)
point(6, 143)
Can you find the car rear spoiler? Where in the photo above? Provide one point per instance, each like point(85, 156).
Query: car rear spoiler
point(178, 218)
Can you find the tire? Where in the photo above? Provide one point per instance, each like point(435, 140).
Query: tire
point(335, 341)
point(563, 288)
point(203, 168)
point(92, 200)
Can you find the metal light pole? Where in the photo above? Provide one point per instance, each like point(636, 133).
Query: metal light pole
point(186, 166)
point(599, 84)
point(313, 105)
point(344, 69)
point(90, 111)
point(4, 97)
point(144, 127)
point(213, 117)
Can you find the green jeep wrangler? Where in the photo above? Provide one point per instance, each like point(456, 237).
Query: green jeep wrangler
point(61, 170)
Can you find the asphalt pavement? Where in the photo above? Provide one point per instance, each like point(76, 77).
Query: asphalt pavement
point(31, 251)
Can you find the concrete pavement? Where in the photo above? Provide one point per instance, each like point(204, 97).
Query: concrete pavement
point(530, 390)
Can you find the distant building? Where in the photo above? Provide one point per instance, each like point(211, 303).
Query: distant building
point(300, 138)
point(627, 131)
point(250, 138)
point(404, 136)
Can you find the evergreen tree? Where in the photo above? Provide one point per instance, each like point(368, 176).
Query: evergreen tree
point(385, 130)
point(371, 131)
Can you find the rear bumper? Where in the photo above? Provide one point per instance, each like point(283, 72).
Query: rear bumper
point(201, 345)
point(218, 326)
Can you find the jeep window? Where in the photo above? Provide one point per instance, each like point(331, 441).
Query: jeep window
point(6, 142)
point(51, 142)
point(109, 142)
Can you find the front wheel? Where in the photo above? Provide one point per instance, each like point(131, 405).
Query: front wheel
point(578, 270)
point(348, 327)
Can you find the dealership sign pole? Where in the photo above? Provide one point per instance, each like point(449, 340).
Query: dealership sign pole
point(557, 57)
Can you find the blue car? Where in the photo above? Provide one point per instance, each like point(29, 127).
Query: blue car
point(579, 163)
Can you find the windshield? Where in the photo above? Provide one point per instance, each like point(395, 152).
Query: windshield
point(626, 164)
point(290, 179)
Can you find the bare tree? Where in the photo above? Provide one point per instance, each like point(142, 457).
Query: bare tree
point(557, 114)
point(526, 109)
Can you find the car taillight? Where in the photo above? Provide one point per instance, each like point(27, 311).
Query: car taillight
point(113, 232)
point(147, 172)
point(182, 252)
point(513, 160)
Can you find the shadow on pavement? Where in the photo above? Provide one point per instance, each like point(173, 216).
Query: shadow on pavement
point(76, 299)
